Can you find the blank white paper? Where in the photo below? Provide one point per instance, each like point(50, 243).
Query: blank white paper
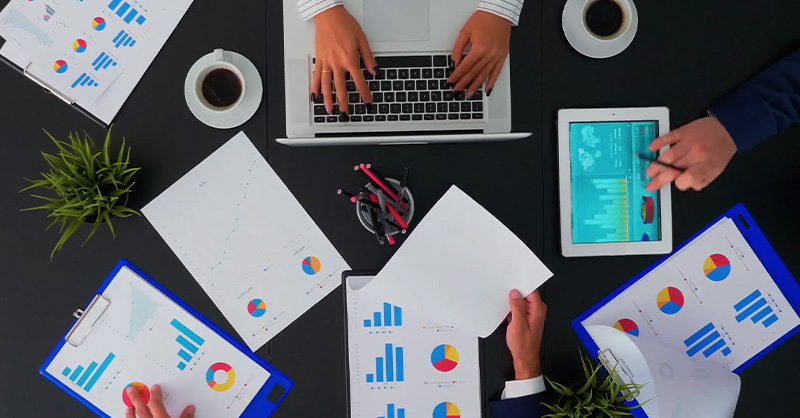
point(458, 266)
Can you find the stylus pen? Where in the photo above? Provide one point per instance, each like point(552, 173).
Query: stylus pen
point(653, 160)
point(381, 184)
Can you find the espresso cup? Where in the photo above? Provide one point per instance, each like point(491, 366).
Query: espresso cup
point(606, 19)
point(220, 86)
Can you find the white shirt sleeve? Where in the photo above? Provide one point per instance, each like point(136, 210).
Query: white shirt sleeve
point(522, 388)
point(508, 9)
point(311, 8)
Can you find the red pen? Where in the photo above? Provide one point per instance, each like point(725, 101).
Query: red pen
point(382, 185)
point(403, 224)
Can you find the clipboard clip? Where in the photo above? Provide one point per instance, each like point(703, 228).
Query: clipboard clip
point(610, 362)
point(86, 320)
point(47, 87)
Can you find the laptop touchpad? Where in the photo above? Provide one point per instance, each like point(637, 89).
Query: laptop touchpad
point(397, 21)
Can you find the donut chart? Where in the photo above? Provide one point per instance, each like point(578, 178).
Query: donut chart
point(211, 376)
point(648, 209)
point(311, 265)
point(444, 358)
point(257, 308)
point(717, 267)
point(670, 300)
point(628, 326)
point(144, 392)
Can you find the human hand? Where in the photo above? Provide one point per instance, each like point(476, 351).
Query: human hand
point(339, 44)
point(490, 36)
point(524, 334)
point(155, 409)
point(703, 148)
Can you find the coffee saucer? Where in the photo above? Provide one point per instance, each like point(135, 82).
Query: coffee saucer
point(579, 37)
point(254, 91)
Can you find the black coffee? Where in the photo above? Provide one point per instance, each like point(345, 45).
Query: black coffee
point(221, 88)
point(604, 18)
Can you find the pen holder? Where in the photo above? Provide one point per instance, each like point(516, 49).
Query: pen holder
point(405, 214)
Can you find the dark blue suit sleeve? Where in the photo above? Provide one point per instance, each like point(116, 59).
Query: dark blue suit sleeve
point(764, 106)
point(524, 407)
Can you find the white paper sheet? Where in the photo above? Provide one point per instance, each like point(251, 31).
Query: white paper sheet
point(431, 363)
point(130, 40)
point(725, 316)
point(247, 241)
point(675, 386)
point(458, 266)
point(137, 339)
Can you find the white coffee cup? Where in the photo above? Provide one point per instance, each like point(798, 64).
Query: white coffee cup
point(220, 85)
point(606, 20)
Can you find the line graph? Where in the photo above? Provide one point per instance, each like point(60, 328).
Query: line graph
point(236, 221)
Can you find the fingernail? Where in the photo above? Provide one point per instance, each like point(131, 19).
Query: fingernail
point(329, 108)
point(130, 389)
point(190, 410)
point(489, 92)
point(470, 94)
point(515, 294)
point(313, 97)
point(376, 68)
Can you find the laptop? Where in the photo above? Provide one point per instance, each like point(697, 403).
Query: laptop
point(413, 103)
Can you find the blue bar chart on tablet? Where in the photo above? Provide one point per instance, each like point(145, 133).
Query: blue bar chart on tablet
point(707, 340)
point(127, 11)
point(390, 316)
point(87, 377)
point(189, 341)
point(388, 368)
point(391, 412)
point(755, 307)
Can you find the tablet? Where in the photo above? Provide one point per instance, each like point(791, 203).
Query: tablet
point(605, 207)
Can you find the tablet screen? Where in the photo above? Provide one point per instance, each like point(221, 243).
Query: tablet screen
point(609, 200)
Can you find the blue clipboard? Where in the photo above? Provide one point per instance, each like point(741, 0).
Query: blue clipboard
point(766, 254)
point(266, 401)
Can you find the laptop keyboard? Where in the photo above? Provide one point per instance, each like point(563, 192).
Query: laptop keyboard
point(405, 89)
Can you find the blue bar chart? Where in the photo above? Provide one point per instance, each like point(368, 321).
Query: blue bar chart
point(123, 39)
point(189, 340)
point(707, 340)
point(103, 61)
point(128, 13)
point(391, 412)
point(87, 377)
point(755, 307)
point(84, 80)
point(612, 217)
point(390, 367)
point(390, 316)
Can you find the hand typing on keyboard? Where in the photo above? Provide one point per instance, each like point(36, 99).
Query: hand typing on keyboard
point(490, 36)
point(340, 42)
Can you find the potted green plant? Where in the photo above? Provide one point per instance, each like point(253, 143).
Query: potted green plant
point(88, 185)
point(595, 398)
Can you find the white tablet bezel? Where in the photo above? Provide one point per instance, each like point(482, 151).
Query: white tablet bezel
point(570, 249)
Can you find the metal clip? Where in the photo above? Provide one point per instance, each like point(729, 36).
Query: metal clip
point(48, 88)
point(86, 320)
point(612, 364)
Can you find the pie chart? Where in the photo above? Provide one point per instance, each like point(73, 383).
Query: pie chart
point(257, 308)
point(79, 45)
point(144, 392)
point(446, 410)
point(60, 66)
point(648, 209)
point(98, 23)
point(627, 325)
point(311, 265)
point(444, 358)
point(717, 267)
point(670, 300)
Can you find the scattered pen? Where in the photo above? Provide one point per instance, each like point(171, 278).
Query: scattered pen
point(661, 163)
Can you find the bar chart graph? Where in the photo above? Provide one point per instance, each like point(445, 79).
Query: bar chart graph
point(391, 316)
point(605, 216)
point(127, 12)
point(755, 307)
point(87, 377)
point(84, 80)
point(391, 412)
point(707, 340)
point(388, 368)
point(189, 340)
point(123, 39)
point(103, 61)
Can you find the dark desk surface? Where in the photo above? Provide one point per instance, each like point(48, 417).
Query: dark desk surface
point(686, 55)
